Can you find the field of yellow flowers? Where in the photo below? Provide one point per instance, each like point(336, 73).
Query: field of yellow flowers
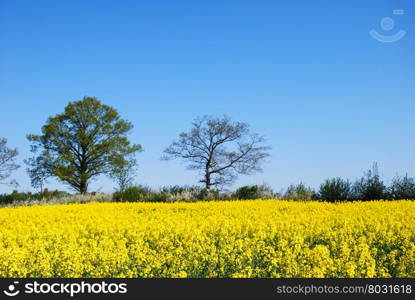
point(258, 238)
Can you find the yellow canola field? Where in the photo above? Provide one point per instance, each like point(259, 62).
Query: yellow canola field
point(258, 238)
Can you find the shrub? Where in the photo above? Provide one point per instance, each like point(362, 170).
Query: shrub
point(208, 194)
point(178, 193)
point(15, 196)
point(253, 192)
point(18, 197)
point(299, 192)
point(157, 197)
point(137, 193)
point(63, 198)
point(370, 186)
point(166, 194)
point(246, 192)
point(46, 194)
point(335, 189)
point(403, 188)
point(177, 189)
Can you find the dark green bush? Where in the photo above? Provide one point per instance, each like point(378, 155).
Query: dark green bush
point(158, 197)
point(177, 189)
point(247, 192)
point(403, 188)
point(46, 194)
point(16, 196)
point(140, 193)
point(166, 194)
point(208, 195)
point(137, 193)
point(335, 189)
point(299, 192)
point(370, 187)
point(253, 192)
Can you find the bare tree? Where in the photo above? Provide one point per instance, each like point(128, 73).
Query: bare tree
point(220, 149)
point(7, 161)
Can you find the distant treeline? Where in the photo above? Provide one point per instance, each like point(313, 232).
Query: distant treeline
point(369, 187)
point(89, 139)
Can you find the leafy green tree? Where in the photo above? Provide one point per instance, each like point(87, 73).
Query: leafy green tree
point(335, 189)
point(86, 140)
point(123, 172)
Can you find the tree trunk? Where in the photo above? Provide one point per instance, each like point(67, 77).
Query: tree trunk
point(83, 188)
point(207, 180)
point(83, 185)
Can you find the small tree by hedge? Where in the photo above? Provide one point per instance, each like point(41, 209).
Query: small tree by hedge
point(7, 162)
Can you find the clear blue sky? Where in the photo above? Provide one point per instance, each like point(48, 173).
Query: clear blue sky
point(329, 98)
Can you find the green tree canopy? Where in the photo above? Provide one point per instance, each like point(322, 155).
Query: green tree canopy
point(86, 140)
